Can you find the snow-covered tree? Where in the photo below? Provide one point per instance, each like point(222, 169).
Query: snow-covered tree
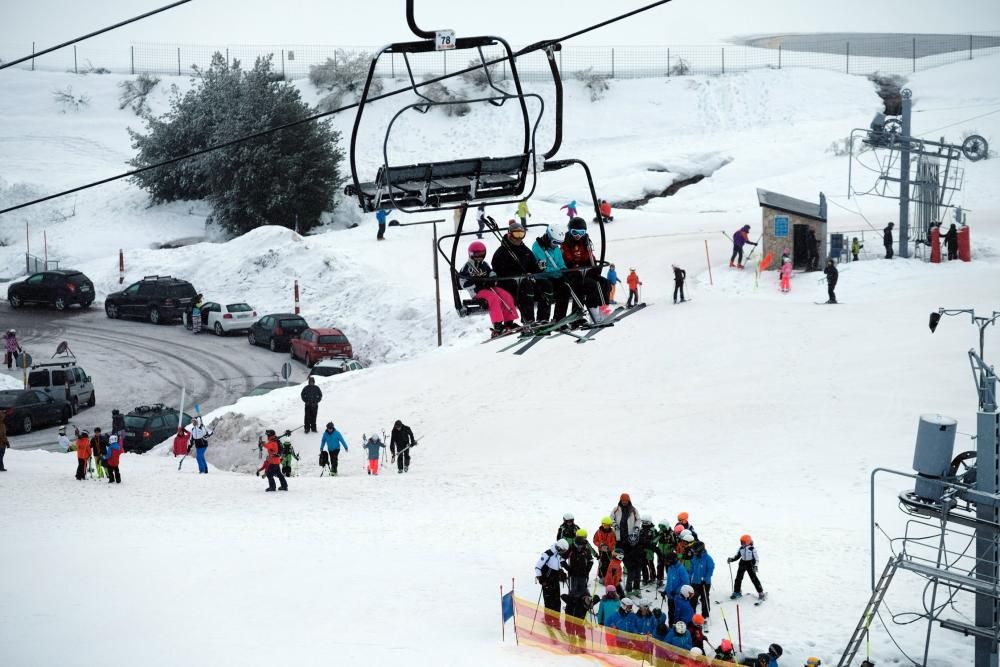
point(285, 178)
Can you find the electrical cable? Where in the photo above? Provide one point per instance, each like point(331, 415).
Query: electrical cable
point(537, 46)
point(945, 127)
point(93, 34)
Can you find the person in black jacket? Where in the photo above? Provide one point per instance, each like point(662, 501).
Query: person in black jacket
point(400, 443)
point(812, 250)
point(679, 276)
point(951, 241)
point(311, 396)
point(831, 280)
point(513, 259)
point(887, 239)
point(117, 424)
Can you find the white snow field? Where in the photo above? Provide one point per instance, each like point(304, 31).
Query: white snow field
point(752, 410)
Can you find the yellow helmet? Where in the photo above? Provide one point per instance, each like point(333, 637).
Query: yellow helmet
point(606, 521)
point(581, 533)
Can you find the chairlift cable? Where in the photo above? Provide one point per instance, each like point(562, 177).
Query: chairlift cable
point(538, 46)
point(93, 34)
point(945, 127)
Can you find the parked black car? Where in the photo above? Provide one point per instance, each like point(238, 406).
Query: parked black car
point(149, 425)
point(277, 331)
point(156, 298)
point(58, 289)
point(24, 409)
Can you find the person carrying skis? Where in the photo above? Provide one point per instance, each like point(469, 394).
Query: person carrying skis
point(613, 575)
point(951, 242)
point(372, 445)
point(400, 444)
point(625, 517)
point(725, 651)
point(11, 348)
point(666, 542)
point(604, 540)
point(570, 209)
point(199, 438)
point(887, 239)
point(679, 276)
point(613, 282)
point(547, 250)
point(479, 280)
point(273, 462)
point(679, 636)
point(196, 314)
point(586, 280)
point(786, 274)
point(856, 247)
point(633, 288)
point(749, 560)
point(381, 216)
point(608, 605)
point(111, 459)
point(676, 577)
point(567, 529)
point(515, 262)
point(831, 281)
point(740, 239)
point(331, 442)
point(97, 447)
point(647, 537)
point(311, 396)
point(549, 573)
point(702, 569)
point(522, 211)
point(82, 455)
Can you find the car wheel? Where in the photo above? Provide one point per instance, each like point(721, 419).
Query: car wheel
point(60, 303)
point(219, 331)
point(66, 414)
point(92, 401)
point(27, 424)
point(273, 346)
point(154, 315)
point(75, 405)
point(111, 310)
point(15, 301)
point(86, 304)
point(251, 338)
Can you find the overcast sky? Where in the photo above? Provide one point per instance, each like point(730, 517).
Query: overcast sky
point(376, 22)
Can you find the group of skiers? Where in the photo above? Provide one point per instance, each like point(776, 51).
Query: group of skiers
point(98, 453)
point(632, 553)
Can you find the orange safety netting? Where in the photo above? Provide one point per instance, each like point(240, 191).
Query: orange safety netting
point(563, 633)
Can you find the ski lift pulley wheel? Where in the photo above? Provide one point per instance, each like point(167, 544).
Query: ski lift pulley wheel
point(975, 148)
point(893, 126)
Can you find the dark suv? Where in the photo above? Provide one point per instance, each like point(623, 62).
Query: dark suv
point(149, 425)
point(156, 298)
point(55, 288)
point(277, 331)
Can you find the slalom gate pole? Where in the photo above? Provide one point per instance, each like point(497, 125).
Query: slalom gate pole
point(709, 262)
point(739, 628)
point(503, 637)
point(537, 604)
point(516, 643)
point(729, 635)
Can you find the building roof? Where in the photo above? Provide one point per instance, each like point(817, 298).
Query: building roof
point(791, 205)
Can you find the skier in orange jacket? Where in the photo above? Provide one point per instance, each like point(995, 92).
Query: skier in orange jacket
point(633, 288)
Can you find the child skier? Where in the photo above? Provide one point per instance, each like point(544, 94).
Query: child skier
point(679, 636)
point(682, 521)
point(567, 529)
point(604, 540)
point(608, 605)
point(372, 446)
point(702, 569)
point(748, 558)
point(522, 211)
point(666, 543)
point(570, 209)
point(196, 315)
point(677, 577)
point(64, 445)
point(856, 247)
point(605, 209)
point(613, 576)
point(479, 279)
point(647, 537)
point(831, 281)
point(98, 450)
point(111, 458)
point(697, 629)
point(633, 288)
point(82, 455)
point(381, 216)
point(725, 651)
point(786, 274)
point(613, 280)
point(679, 276)
point(332, 441)
point(644, 623)
point(287, 454)
point(272, 464)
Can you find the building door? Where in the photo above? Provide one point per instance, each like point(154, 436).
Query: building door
point(800, 246)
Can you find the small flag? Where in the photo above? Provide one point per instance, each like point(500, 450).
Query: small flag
point(766, 262)
point(507, 606)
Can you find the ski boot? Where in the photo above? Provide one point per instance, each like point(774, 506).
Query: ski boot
point(736, 596)
point(731, 265)
point(496, 331)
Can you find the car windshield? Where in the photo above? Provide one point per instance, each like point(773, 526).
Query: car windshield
point(238, 308)
point(326, 371)
point(332, 339)
point(181, 291)
point(133, 421)
point(8, 398)
point(293, 323)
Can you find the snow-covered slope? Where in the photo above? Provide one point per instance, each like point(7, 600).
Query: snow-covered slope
point(751, 410)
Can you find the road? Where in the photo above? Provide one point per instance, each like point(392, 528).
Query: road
point(136, 363)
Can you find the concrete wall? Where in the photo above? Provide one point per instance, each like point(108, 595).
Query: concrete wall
point(775, 245)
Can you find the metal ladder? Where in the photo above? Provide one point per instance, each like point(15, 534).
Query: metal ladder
point(861, 632)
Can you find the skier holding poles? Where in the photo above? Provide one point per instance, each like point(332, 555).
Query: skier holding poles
point(740, 239)
point(748, 558)
point(400, 443)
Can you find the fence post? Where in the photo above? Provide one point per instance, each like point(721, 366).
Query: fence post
point(75, 71)
point(131, 50)
point(779, 56)
point(227, 56)
point(847, 58)
point(33, 54)
point(282, 63)
point(612, 62)
point(178, 61)
point(723, 60)
point(970, 47)
point(392, 65)
point(914, 54)
point(444, 61)
point(668, 61)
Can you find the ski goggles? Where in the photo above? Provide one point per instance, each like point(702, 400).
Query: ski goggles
point(578, 233)
point(478, 255)
point(517, 233)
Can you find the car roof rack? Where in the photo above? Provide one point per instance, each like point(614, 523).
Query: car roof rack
point(155, 407)
point(58, 364)
point(158, 278)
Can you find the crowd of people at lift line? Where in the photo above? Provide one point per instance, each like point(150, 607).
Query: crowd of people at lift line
point(631, 554)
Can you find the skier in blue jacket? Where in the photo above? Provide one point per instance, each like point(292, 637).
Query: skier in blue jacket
point(679, 636)
point(623, 620)
point(702, 568)
point(677, 576)
point(547, 250)
point(644, 623)
point(608, 606)
point(332, 441)
point(613, 280)
point(381, 216)
point(373, 444)
point(683, 611)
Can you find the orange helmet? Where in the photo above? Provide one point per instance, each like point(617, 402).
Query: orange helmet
point(625, 498)
point(678, 529)
point(746, 539)
point(682, 517)
point(725, 645)
point(698, 619)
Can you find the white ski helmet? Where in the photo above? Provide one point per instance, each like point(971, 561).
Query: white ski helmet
point(647, 518)
point(687, 536)
point(694, 650)
point(555, 234)
point(686, 591)
point(562, 545)
point(680, 627)
point(113, 440)
point(568, 516)
point(626, 602)
point(643, 602)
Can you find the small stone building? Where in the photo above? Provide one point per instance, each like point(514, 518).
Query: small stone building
point(786, 223)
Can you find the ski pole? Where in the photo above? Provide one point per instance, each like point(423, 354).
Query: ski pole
point(732, 586)
point(537, 605)
point(729, 634)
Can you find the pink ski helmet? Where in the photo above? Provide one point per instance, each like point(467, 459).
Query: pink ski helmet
point(477, 248)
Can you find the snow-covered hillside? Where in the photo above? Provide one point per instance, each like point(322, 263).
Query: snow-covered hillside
point(752, 410)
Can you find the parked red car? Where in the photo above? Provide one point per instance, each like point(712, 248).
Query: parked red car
point(315, 344)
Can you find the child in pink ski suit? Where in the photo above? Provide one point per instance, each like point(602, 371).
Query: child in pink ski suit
point(477, 278)
point(786, 275)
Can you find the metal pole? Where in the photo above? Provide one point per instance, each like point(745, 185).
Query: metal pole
point(75, 71)
point(282, 63)
point(779, 56)
point(178, 61)
point(709, 262)
point(131, 50)
point(987, 561)
point(970, 47)
point(914, 54)
point(847, 58)
point(904, 177)
point(437, 283)
point(45, 250)
point(723, 60)
point(612, 62)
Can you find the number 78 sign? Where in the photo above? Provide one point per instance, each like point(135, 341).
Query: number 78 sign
point(444, 40)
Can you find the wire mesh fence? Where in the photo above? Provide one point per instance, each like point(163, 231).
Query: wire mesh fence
point(885, 54)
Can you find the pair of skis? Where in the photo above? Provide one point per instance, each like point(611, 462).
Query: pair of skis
point(618, 314)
